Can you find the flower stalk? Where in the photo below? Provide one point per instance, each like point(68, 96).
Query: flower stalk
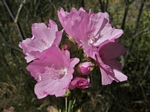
point(66, 104)
point(70, 106)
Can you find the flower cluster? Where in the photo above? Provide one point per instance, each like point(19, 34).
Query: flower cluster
point(57, 70)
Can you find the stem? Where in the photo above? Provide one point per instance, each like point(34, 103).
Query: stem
point(66, 105)
point(125, 15)
point(13, 18)
point(101, 5)
point(135, 30)
point(10, 12)
point(70, 105)
point(59, 110)
point(20, 7)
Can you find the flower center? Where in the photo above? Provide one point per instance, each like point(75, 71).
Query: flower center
point(56, 73)
point(94, 39)
point(91, 39)
point(62, 72)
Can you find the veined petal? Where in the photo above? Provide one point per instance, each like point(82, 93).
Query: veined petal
point(73, 62)
point(110, 70)
point(116, 67)
point(29, 58)
point(105, 77)
point(111, 50)
point(90, 51)
point(58, 38)
point(53, 25)
point(119, 75)
point(47, 86)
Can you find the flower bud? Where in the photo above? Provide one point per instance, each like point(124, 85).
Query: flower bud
point(79, 82)
point(84, 68)
point(64, 47)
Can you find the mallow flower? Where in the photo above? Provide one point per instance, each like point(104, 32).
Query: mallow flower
point(53, 71)
point(85, 68)
point(79, 82)
point(89, 30)
point(109, 67)
point(43, 37)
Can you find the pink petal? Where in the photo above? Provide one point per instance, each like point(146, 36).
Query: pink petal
point(53, 54)
point(47, 86)
point(103, 64)
point(105, 77)
point(116, 33)
point(73, 62)
point(110, 70)
point(58, 38)
point(111, 50)
point(53, 25)
point(119, 75)
point(65, 20)
point(35, 70)
point(44, 35)
point(116, 67)
point(84, 68)
point(73, 84)
point(90, 51)
point(29, 58)
point(27, 45)
point(113, 64)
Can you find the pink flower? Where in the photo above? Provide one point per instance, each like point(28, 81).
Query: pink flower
point(109, 67)
point(84, 68)
point(67, 19)
point(88, 29)
point(43, 38)
point(53, 72)
point(79, 82)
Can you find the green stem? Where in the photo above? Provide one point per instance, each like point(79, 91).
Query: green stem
point(59, 110)
point(66, 105)
point(70, 105)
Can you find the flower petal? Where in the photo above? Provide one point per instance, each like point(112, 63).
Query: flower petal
point(119, 75)
point(116, 67)
point(111, 50)
point(47, 86)
point(105, 77)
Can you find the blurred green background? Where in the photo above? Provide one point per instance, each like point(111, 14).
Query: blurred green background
point(17, 85)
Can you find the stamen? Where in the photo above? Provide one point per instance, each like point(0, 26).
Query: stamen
point(91, 39)
point(56, 74)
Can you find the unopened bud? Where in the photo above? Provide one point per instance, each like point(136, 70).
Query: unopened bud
point(64, 47)
point(79, 82)
point(85, 68)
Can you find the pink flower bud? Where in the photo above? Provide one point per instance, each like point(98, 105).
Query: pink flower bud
point(84, 68)
point(64, 47)
point(79, 82)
